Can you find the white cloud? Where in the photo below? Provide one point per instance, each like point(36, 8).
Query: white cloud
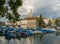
point(4, 19)
point(49, 8)
point(56, 7)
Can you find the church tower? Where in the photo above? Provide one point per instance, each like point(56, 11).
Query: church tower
point(30, 14)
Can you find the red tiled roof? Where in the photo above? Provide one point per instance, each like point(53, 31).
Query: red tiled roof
point(31, 18)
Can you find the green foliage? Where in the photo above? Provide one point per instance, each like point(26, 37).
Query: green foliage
point(14, 4)
point(9, 16)
point(57, 22)
point(2, 7)
point(40, 21)
point(49, 23)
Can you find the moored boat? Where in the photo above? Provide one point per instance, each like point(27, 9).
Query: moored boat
point(10, 33)
point(25, 33)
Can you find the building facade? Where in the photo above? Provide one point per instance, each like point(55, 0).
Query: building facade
point(24, 24)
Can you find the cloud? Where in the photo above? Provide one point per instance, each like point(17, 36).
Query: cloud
point(56, 7)
point(4, 19)
point(48, 8)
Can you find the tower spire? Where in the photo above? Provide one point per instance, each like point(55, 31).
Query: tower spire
point(30, 13)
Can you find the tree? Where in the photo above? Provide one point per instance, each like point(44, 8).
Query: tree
point(13, 4)
point(49, 23)
point(2, 8)
point(57, 22)
point(40, 21)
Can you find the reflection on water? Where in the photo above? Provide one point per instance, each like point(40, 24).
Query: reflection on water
point(29, 40)
point(52, 38)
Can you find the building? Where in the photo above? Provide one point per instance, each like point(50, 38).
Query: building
point(24, 24)
point(46, 20)
point(18, 23)
point(2, 23)
point(10, 23)
point(53, 22)
point(30, 22)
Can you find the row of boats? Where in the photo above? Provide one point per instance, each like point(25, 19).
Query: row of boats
point(12, 32)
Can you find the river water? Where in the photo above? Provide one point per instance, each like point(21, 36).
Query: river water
point(52, 38)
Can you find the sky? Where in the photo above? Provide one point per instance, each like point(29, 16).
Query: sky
point(48, 8)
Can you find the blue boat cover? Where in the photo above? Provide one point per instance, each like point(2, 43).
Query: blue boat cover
point(19, 29)
point(11, 29)
point(27, 32)
point(43, 30)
